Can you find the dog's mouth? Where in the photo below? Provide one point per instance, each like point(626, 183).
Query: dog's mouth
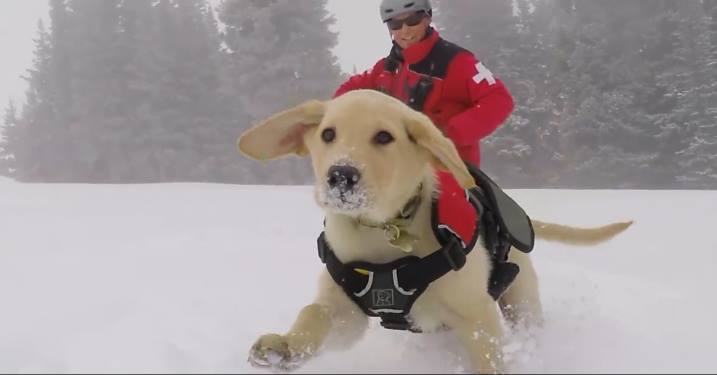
point(337, 199)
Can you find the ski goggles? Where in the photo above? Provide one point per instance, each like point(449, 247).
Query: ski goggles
point(412, 20)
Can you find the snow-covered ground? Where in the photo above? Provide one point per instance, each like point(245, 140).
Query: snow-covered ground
point(184, 278)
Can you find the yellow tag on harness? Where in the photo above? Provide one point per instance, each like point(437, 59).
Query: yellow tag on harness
point(361, 271)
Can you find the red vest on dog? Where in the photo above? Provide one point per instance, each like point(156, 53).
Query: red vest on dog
point(452, 209)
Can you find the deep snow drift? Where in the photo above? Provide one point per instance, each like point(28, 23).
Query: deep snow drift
point(184, 278)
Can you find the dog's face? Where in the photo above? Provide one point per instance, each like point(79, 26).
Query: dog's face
point(366, 162)
point(369, 151)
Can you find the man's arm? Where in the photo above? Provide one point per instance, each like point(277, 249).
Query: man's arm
point(491, 101)
point(365, 80)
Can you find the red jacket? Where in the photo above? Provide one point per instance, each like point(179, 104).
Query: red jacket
point(466, 102)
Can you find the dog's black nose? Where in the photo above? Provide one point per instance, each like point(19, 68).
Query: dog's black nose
point(343, 177)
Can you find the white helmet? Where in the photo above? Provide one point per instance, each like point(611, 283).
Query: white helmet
point(390, 8)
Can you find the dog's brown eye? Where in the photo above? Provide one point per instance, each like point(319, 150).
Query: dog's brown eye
point(383, 138)
point(328, 135)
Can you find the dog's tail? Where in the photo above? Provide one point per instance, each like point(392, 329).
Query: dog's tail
point(578, 236)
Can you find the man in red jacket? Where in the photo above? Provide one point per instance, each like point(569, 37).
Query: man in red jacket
point(436, 77)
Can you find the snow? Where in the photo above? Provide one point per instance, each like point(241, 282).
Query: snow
point(184, 278)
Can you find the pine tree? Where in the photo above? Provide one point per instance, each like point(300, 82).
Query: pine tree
point(138, 47)
point(51, 141)
point(593, 134)
point(96, 114)
point(214, 111)
point(668, 99)
point(279, 53)
point(183, 58)
point(525, 148)
point(697, 159)
point(486, 28)
point(7, 162)
point(127, 91)
point(31, 142)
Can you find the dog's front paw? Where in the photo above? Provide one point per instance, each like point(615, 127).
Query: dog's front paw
point(273, 351)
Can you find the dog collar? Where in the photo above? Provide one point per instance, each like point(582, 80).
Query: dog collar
point(394, 229)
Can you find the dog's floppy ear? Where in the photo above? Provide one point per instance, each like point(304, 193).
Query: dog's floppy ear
point(282, 133)
point(446, 157)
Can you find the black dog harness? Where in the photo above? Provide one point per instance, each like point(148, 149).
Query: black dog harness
point(389, 290)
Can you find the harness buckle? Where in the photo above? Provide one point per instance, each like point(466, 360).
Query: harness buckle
point(397, 322)
point(400, 326)
point(453, 251)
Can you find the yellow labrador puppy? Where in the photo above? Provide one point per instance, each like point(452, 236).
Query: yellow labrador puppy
point(371, 154)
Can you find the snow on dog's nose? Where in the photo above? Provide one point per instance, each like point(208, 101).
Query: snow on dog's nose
point(342, 190)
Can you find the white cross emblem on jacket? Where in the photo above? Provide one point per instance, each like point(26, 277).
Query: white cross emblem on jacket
point(484, 74)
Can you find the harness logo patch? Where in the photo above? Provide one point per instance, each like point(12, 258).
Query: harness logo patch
point(383, 297)
point(484, 74)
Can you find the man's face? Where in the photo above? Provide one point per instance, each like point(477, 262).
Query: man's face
point(408, 29)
